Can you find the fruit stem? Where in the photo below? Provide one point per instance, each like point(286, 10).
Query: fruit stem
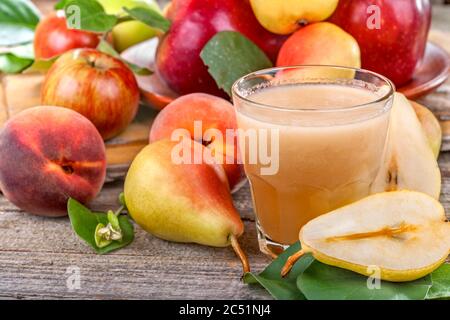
point(240, 253)
point(291, 261)
point(119, 211)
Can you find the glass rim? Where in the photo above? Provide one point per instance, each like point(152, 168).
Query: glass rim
point(236, 92)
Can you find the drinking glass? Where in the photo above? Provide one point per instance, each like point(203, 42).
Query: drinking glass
point(312, 139)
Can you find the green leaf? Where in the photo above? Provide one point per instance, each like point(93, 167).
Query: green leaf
point(84, 223)
point(41, 65)
point(271, 280)
point(17, 58)
point(9, 63)
point(60, 4)
point(229, 55)
point(150, 17)
point(122, 199)
point(25, 51)
point(105, 47)
point(324, 282)
point(441, 283)
point(18, 19)
point(88, 15)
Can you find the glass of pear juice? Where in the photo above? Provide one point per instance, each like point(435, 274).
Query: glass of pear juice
point(312, 139)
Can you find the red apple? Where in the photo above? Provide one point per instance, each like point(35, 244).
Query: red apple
point(397, 46)
point(49, 154)
point(52, 37)
point(194, 23)
point(99, 86)
point(213, 113)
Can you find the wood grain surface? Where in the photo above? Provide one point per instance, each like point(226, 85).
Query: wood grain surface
point(37, 255)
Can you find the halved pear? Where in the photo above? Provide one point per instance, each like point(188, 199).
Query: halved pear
point(402, 233)
point(409, 161)
point(430, 125)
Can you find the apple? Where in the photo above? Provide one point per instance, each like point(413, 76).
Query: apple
point(194, 23)
point(52, 37)
point(97, 85)
point(392, 35)
point(213, 113)
point(320, 43)
point(48, 155)
point(284, 17)
point(129, 33)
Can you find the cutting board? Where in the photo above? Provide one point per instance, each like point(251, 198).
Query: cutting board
point(19, 92)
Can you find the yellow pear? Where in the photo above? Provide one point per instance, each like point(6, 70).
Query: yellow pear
point(402, 235)
point(409, 161)
point(129, 33)
point(430, 125)
point(183, 200)
point(284, 17)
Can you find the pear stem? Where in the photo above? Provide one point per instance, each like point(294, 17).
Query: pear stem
point(240, 253)
point(291, 261)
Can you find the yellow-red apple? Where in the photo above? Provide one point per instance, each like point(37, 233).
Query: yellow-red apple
point(197, 114)
point(52, 37)
point(49, 154)
point(99, 86)
point(284, 17)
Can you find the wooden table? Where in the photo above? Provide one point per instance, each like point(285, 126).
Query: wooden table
point(39, 256)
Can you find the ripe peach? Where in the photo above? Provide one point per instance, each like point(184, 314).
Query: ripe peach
point(49, 154)
point(214, 113)
point(320, 43)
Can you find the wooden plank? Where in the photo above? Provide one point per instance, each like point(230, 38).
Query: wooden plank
point(21, 92)
point(36, 252)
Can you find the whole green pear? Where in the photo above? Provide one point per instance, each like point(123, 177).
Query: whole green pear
point(129, 33)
